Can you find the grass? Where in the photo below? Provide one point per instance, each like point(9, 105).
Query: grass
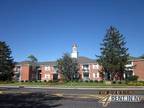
point(67, 84)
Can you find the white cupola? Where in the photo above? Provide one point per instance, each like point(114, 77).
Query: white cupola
point(74, 53)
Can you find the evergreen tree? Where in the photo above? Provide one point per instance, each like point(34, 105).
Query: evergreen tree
point(114, 55)
point(6, 62)
point(68, 67)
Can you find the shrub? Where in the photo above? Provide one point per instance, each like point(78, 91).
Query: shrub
point(50, 81)
point(86, 81)
point(13, 81)
point(119, 82)
point(132, 78)
point(96, 81)
point(91, 80)
point(45, 80)
point(30, 81)
point(36, 81)
point(26, 80)
point(113, 82)
point(22, 80)
point(66, 81)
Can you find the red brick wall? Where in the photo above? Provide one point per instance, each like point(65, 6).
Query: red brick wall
point(139, 68)
point(43, 72)
point(91, 72)
point(25, 70)
point(80, 72)
point(51, 72)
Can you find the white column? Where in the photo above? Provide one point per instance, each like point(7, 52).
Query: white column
point(124, 75)
point(133, 73)
point(93, 75)
point(97, 74)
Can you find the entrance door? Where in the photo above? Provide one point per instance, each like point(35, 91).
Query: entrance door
point(55, 76)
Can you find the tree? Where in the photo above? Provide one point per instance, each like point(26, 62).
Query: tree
point(32, 58)
point(34, 66)
point(114, 55)
point(141, 57)
point(6, 62)
point(68, 67)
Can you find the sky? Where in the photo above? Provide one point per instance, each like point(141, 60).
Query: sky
point(48, 28)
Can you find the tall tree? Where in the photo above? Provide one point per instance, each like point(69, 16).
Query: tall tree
point(32, 58)
point(34, 66)
point(68, 67)
point(114, 54)
point(6, 62)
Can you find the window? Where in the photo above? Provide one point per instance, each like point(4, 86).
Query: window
point(95, 66)
point(55, 69)
point(47, 76)
point(86, 74)
point(47, 68)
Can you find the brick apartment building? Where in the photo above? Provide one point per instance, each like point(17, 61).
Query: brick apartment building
point(89, 69)
point(135, 67)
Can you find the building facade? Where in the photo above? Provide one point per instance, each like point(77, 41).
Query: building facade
point(135, 67)
point(89, 69)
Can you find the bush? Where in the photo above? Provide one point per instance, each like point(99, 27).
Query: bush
point(45, 80)
point(96, 81)
point(39, 81)
point(30, 81)
point(113, 82)
point(66, 81)
point(86, 81)
point(50, 81)
point(119, 82)
point(91, 80)
point(26, 80)
point(36, 81)
point(132, 78)
point(13, 81)
point(22, 80)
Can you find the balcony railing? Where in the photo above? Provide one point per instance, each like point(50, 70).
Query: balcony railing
point(129, 65)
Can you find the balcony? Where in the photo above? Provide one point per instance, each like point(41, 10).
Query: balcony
point(55, 69)
point(17, 72)
point(129, 65)
point(129, 69)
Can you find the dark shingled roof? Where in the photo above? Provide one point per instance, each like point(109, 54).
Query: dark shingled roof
point(81, 60)
point(24, 62)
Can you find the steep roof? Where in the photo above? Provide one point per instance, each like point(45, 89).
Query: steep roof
point(83, 60)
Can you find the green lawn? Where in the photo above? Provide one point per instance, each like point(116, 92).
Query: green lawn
point(71, 84)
